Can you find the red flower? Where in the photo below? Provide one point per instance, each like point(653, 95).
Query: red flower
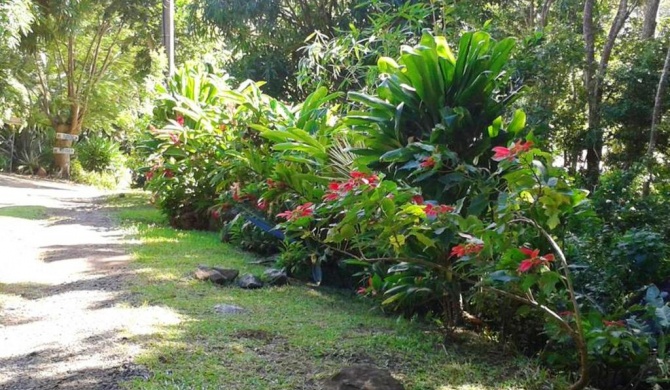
point(304, 210)
point(216, 214)
point(361, 291)
point(356, 175)
point(331, 196)
point(149, 175)
point(418, 199)
point(466, 249)
point(522, 146)
point(175, 139)
point(262, 204)
point(503, 153)
point(565, 314)
point(526, 265)
point(180, 120)
point(614, 323)
point(357, 179)
point(428, 162)
point(534, 259)
point(168, 173)
point(434, 211)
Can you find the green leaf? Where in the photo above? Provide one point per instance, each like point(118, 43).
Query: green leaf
point(495, 127)
point(424, 240)
point(370, 101)
point(553, 221)
point(502, 276)
point(401, 154)
point(548, 281)
point(663, 316)
point(518, 122)
point(388, 206)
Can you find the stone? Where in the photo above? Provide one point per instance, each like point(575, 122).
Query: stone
point(228, 274)
point(41, 172)
point(215, 275)
point(249, 281)
point(275, 277)
point(229, 309)
point(363, 377)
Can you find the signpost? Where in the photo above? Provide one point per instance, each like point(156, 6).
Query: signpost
point(66, 136)
point(63, 151)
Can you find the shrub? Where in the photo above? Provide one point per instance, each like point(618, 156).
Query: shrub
point(99, 154)
point(105, 180)
point(185, 148)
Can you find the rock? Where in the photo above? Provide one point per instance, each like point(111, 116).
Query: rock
point(275, 277)
point(362, 377)
point(215, 275)
point(228, 274)
point(229, 309)
point(41, 172)
point(249, 281)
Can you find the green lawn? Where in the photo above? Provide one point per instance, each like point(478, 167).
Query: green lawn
point(24, 212)
point(293, 336)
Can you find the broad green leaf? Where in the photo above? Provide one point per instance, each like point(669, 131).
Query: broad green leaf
point(518, 122)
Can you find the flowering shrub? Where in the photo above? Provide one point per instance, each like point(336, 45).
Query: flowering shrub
point(426, 187)
point(437, 247)
point(185, 143)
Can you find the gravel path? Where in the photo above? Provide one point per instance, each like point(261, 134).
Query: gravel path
point(67, 317)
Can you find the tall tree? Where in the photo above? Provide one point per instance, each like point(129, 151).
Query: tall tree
point(649, 22)
point(16, 16)
point(594, 77)
point(265, 35)
point(656, 117)
point(76, 47)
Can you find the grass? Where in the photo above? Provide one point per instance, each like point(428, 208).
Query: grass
point(24, 212)
point(293, 336)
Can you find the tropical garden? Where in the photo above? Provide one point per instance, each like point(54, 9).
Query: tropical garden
point(496, 167)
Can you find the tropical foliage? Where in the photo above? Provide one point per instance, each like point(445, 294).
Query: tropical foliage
point(408, 150)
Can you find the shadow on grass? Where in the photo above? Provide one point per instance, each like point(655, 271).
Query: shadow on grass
point(291, 337)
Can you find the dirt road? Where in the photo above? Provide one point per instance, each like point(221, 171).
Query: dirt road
point(67, 317)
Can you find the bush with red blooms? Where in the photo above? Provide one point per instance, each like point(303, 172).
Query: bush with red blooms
point(430, 246)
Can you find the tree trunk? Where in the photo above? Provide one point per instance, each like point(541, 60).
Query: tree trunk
point(593, 83)
point(62, 161)
point(544, 16)
point(656, 119)
point(593, 152)
point(649, 24)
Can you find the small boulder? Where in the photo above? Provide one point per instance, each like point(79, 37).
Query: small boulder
point(228, 274)
point(41, 172)
point(215, 275)
point(249, 281)
point(362, 377)
point(275, 277)
point(229, 309)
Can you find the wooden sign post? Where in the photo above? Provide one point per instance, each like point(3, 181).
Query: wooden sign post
point(66, 136)
point(63, 151)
